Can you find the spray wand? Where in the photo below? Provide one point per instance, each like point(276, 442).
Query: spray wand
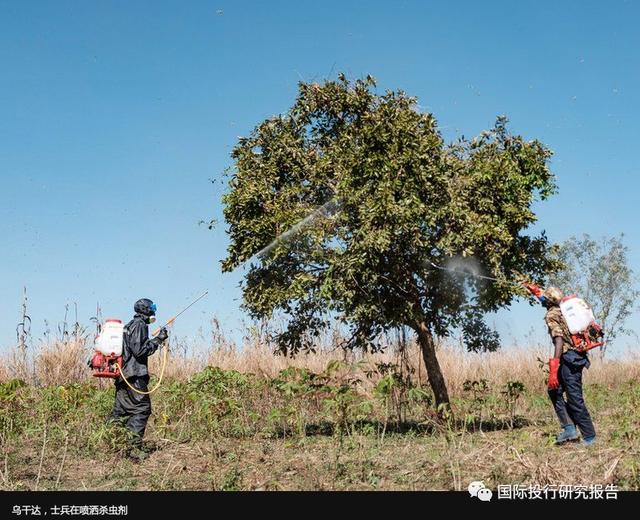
point(173, 319)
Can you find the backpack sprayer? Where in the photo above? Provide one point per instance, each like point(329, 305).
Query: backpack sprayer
point(585, 332)
point(107, 360)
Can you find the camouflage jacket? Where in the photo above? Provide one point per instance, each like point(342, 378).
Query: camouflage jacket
point(558, 328)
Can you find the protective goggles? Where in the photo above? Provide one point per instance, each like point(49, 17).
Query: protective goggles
point(153, 308)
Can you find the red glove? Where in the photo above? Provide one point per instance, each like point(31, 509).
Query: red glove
point(554, 365)
point(533, 289)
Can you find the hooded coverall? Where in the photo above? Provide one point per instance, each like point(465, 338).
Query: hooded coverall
point(131, 406)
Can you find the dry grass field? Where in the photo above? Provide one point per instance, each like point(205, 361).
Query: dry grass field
point(228, 418)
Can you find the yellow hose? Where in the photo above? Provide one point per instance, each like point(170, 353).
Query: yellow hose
point(164, 365)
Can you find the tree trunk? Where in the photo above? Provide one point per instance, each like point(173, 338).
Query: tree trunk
point(434, 373)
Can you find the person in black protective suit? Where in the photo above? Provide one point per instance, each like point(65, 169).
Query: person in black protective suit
point(131, 407)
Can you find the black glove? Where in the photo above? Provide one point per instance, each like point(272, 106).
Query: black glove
point(162, 335)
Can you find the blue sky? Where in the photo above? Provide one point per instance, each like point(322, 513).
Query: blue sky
point(115, 116)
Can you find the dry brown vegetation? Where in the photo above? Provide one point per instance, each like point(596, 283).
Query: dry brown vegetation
point(65, 362)
point(245, 427)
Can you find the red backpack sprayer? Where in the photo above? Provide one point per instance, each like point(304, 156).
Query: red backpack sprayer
point(107, 360)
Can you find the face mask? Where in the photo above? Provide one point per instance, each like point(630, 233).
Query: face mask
point(152, 319)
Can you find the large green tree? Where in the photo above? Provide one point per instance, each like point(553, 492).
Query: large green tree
point(405, 199)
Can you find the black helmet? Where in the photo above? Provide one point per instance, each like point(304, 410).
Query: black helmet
point(145, 307)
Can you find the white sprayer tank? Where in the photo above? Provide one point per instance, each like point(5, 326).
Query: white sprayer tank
point(109, 342)
point(577, 314)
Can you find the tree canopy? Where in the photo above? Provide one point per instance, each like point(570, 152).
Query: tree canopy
point(405, 200)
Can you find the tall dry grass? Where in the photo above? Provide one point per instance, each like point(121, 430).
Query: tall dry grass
point(48, 364)
point(64, 362)
point(457, 364)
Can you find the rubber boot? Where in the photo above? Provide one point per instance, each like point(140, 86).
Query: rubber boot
point(568, 433)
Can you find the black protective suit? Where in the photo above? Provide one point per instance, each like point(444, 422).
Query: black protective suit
point(130, 406)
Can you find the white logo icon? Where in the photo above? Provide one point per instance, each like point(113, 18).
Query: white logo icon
point(477, 489)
